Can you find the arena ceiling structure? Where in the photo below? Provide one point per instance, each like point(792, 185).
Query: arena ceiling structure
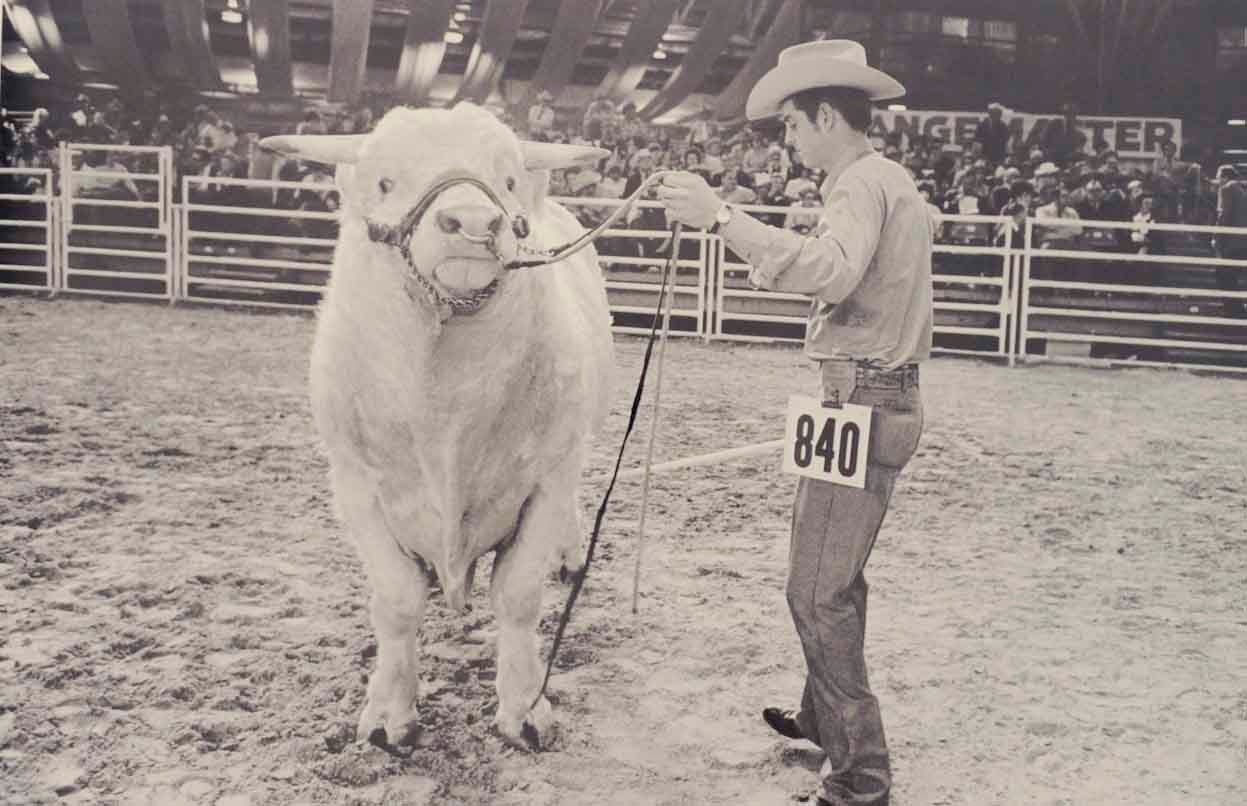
point(673, 58)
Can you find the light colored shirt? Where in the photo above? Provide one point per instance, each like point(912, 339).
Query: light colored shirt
point(1051, 233)
point(867, 265)
point(737, 195)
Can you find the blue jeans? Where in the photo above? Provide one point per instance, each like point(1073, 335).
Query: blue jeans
point(833, 531)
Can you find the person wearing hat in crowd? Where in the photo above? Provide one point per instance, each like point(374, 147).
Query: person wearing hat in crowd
point(867, 268)
point(1047, 180)
point(541, 114)
point(992, 133)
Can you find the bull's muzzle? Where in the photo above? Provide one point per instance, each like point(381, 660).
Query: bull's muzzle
point(477, 223)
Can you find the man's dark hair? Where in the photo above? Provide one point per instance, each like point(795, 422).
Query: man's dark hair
point(1019, 187)
point(852, 104)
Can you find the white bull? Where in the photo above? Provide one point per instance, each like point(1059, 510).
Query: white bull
point(456, 398)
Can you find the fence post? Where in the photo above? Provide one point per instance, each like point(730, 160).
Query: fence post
point(1019, 346)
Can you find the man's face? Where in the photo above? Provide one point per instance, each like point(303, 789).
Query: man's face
point(729, 180)
point(1095, 191)
point(813, 145)
point(995, 114)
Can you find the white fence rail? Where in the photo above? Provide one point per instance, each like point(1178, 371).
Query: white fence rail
point(1023, 297)
point(28, 221)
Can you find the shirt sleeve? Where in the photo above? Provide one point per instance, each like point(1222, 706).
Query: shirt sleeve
point(828, 264)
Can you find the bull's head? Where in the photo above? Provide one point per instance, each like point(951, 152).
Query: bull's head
point(450, 190)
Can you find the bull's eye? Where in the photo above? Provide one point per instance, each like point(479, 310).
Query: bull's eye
point(385, 185)
point(510, 183)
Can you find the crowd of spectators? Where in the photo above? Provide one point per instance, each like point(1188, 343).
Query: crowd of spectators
point(1055, 178)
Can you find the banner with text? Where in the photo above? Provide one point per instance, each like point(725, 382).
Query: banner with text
point(1129, 137)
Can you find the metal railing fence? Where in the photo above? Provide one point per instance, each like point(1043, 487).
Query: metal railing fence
point(1153, 296)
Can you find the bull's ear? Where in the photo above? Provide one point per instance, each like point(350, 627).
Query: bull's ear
point(552, 156)
point(331, 149)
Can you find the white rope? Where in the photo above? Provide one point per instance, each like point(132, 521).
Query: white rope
point(701, 460)
point(668, 294)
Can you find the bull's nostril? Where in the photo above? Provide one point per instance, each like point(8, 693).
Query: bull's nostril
point(447, 222)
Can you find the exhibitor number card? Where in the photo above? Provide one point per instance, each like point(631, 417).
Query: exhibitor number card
point(829, 444)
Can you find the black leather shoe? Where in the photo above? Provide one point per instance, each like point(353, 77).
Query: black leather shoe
point(783, 722)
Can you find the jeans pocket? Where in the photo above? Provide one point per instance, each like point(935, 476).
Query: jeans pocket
point(894, 436)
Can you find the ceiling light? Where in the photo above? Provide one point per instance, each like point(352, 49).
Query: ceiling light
point(1236, 122)
point(452, 37)
point(660, 54)
point(897, 107)
point(460, 16)
point(231, 15)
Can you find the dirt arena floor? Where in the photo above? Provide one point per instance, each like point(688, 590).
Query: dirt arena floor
point(1058, 609)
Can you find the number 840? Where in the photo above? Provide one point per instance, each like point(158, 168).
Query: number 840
point(806, 447)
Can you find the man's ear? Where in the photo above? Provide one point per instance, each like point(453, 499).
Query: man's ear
point(828, 117)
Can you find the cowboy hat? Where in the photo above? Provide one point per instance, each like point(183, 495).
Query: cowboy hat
point(1047, 169)
point(825, 63)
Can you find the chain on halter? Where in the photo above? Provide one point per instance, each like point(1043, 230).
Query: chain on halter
point(399, 237)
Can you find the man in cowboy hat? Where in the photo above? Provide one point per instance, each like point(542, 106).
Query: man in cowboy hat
point(867, 266)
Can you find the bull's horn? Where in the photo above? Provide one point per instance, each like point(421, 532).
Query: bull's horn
point(552, 156)
point(331, 149)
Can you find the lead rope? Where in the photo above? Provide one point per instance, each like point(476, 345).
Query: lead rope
point(542, 257)
point(579, 580)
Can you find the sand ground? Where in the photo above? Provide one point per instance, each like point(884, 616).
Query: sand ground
point(1058, 608)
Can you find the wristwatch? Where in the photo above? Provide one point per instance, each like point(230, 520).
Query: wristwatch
point(721, 218)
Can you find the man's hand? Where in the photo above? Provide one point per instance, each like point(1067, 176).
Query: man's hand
point(689, 199)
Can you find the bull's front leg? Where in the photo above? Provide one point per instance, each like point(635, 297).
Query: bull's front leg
point(519, 571)
point(400, 590)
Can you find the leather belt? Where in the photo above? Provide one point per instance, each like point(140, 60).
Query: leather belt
point(903, 377)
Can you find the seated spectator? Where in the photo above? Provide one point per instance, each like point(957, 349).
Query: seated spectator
point(1023, 192)
point(804, 222)
point(754, 159)
point(1058, 236)
point(796, 188)
point(162, 133)
point(1101, 205)
point(693, 163)
point(771, 193)
point(612, 185)
point(733, 192)
point(642, 167)
point(1047, 182)
point(600, 110)
point(321, 197)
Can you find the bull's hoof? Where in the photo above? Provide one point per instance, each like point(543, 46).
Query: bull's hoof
point(534, 732)
point(401, 749)
point(390, 728)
